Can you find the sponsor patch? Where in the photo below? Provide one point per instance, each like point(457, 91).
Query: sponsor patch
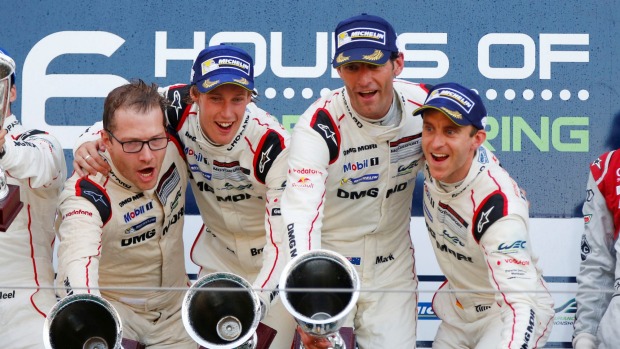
point(361, 34)
point(229, 171)
point(177, 96)
point(129, 216)
point(453, 221)
point(303, 182)
point(323, 124)
point(78, 212)
point(585, 248)
point(464, 102)
point(140, 225)
point(269, 148)
point(96, 195)
point(167, 183)
point(405, 148)
point(221, 62)
point(372, 177)
point(355, 260)
point(492, 208)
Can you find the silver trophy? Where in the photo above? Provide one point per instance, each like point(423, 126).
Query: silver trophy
point(9, 194)
point(222, 319)
point(83, 321)
point(321, 314)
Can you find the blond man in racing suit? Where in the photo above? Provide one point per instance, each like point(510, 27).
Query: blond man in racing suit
point(125, 229)
point(354, 157)
point(477, 220)
point(27, 244)
point(598, 310)
point(236, 153)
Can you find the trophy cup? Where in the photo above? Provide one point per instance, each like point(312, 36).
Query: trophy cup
point(9, 194)
point(83, 321)
point(225, 319)
point(321, 314)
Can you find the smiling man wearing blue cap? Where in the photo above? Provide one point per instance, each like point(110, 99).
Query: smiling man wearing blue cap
point(236, 153)
point(477, 220)
point(353, 161)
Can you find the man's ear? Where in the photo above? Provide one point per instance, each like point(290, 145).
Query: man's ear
point(13, 94)
point(194, 94)
point(399, 64)
point(105, 137)
point(479, 138)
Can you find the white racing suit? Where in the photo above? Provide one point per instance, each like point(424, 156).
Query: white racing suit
point(113, 234)
point(598, 310)
point(495, 295)
point(34, 161)
point(238, 187)
point(349, 190)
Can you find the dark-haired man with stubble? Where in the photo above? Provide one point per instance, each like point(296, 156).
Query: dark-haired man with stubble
point(353, 161)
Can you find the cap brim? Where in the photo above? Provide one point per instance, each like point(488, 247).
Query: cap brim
point(215, 81)
point(361, 55)
point(458, 122)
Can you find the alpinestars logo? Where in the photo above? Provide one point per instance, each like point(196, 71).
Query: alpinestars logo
point(264, 159)
point(484, 219)
point(96, 197)
point(328, 133)
point(176, 103)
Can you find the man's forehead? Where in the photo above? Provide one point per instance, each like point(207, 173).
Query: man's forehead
point(350, 64)
point(434, 114)
point(229, 89)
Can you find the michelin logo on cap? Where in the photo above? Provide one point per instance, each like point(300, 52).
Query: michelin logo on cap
point(461, 100)
point(221, 62)
point(361, 34)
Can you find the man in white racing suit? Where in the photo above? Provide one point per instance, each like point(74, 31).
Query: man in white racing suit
point(598, 310)
point(125, 229)
point(353, 161)
point(236, 153)
point(27, 244)
point(477, 220)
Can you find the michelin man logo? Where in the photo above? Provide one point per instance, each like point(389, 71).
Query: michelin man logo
point(343, 39)
point(209, 66)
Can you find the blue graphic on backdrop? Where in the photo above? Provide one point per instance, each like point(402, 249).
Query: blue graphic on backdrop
point(544, 70)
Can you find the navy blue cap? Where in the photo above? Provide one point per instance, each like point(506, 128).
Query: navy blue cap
point(222, 64)
point(10, 61)
point(364, 38)
point(462, 105)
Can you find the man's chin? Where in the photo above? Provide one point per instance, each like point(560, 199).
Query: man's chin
point(437, 174)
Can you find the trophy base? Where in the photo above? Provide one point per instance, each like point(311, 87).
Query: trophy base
point(265, 335)
point(131, 344)
point(10, 207)
point(346, 333)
